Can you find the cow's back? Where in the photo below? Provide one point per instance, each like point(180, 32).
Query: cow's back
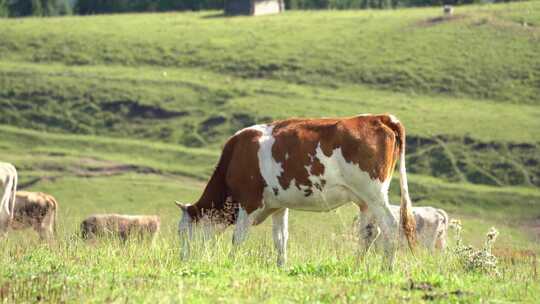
point(30, 209)
point(316, 164)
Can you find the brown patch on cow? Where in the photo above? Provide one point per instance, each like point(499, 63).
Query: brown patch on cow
point(122, 226)
point(227, 190)
point(367, 141)
point(245, 159)
point(295, 147)
point(363, 206)
point(35, 210)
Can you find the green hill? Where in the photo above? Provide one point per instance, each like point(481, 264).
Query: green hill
point(484, 52)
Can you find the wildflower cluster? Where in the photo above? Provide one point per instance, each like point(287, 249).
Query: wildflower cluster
point(475, 259)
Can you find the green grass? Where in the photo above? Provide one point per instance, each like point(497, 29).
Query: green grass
point(322, 271)
point(322, 265)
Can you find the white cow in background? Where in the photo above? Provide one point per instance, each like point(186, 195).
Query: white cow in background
point(431, 227)
point(8, 188)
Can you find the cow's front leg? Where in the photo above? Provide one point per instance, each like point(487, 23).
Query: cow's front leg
point(280, 232)
point(244, 221)
point(241, 227)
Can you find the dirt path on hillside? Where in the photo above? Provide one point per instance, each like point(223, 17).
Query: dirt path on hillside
point(89, 167)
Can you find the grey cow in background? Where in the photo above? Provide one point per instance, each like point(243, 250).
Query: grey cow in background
point(431, 227)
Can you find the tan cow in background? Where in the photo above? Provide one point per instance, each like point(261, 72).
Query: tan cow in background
point(122, 226)
point(8, 187)
point(37, 210)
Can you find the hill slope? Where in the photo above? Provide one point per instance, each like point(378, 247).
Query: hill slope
point(484, 51)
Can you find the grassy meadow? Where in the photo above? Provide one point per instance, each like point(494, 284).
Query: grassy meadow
point(127, 113)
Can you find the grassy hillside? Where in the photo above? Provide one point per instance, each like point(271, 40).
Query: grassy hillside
point(89, 174)
point(411, 50)
point(455, 139)
point(466, 87)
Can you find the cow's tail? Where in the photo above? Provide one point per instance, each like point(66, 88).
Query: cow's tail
point(14, 191)
point(407, 221)
point(54, 210)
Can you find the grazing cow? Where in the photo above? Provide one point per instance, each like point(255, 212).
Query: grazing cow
point(37, 210)
point(8, 188)
point(122, 226)
point(305, 164)
point(431, 227)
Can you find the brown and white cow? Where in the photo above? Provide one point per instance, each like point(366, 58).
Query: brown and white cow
point(431, 227)
point(8, 188)
point(37, 210)
point(305, 164)
point(120, 225)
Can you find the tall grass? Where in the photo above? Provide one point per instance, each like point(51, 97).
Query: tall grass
point(322, 268)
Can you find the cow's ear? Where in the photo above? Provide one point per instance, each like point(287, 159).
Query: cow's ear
point(181, 206)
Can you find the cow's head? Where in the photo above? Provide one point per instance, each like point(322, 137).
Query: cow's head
point(202, 223)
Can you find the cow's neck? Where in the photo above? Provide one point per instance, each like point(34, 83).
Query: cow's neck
point(215, 202)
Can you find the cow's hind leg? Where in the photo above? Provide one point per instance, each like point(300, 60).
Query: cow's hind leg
point(46, 227)
point(280, 232)
point(388, 224)
point(367, 229)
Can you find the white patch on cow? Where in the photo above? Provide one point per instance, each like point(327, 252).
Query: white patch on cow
point(261, 128)
point(393, 118)
point(344, 181)
point(270, 169)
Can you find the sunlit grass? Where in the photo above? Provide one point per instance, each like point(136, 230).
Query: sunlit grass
point(320, 269)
